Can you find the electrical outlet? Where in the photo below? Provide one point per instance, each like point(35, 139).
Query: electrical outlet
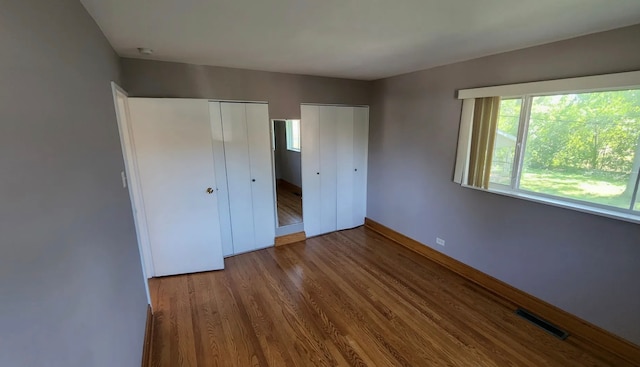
point(439, 241)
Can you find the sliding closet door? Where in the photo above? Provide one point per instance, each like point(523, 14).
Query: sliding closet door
point(259, 137)
point(234, 127)
point(345, 167)
point(310, 157)
point(360, 154)
point(328, 168)
point(174, 154)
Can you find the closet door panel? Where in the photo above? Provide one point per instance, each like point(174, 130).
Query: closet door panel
point(328, 169)
point(259, 138)
point(310, 157)
point(345, 167)
point(361, 152)
point(234, 127)
point(222, 191)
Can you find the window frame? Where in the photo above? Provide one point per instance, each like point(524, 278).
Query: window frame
point(527, 91)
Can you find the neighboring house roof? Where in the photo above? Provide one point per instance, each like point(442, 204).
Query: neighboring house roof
point(504, 139)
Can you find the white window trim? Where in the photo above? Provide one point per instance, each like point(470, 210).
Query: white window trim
point(562, 203)
point(608, 82)
point(464, 141)
point(583, 84)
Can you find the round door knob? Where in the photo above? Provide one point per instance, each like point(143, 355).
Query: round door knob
point(253, 180)
point(209, 190)
point(317, 173)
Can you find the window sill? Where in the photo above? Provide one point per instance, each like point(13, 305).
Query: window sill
point(627, 217)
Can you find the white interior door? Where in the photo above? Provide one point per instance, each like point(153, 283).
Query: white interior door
point(361, 153)
point(345, 168)
point(310, 158)
point(328, 168)
point(174, 153)
point(259, 137)
point(221, 178)
point(236, 148)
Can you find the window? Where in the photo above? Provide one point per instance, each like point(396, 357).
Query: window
point(293, 135)
point(578, 149)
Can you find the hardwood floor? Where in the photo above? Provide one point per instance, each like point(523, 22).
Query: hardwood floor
point(351, 298)
point(289, 204)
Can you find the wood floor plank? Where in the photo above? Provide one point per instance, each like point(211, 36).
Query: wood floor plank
point(463, 307)
point(154, 289)
point(243, 346)
point(361, 317)
point(161, 338)
point(351, 298)
point(289, 203)
point(258, 309)
point(448, 305)
point(206, 322)
point(333, 309)
point(187, 351)
point(305, 335)
point(389, 317)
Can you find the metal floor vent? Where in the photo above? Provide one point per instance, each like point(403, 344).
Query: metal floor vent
point(546, 326)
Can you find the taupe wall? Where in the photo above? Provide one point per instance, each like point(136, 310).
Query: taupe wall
point(582, 263)
point(284, 92)
point(71, 288)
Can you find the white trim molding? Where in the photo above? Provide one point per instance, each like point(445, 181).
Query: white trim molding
point(618, 81)
point(132, 183)
point(131, 169)
point(562, 203)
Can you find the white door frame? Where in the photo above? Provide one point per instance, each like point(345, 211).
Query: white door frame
point(133, 184)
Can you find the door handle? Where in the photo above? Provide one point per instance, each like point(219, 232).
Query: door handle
point(209, 191)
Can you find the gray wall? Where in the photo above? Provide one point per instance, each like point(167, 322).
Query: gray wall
point(71, 284)
point(287, 163)
point(284, 92)
point(585, 264)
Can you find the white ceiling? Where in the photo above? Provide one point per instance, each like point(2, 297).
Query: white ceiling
point(359, 39)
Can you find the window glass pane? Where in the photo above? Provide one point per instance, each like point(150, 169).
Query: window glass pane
point(288, 132)
point(295, 134)
point(583, 146)
point(504, 148)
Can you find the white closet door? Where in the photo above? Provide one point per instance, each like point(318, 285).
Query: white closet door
point(234, 127)
point(221, 178)
point(172, 140)
point(328, 169)
point(361, 152)
point(310, 158)
point(345, 167)
point(259, 138)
